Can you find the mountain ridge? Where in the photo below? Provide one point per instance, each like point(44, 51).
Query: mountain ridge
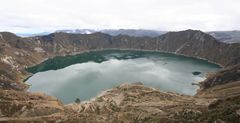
point(222, 36)
point(23, 52)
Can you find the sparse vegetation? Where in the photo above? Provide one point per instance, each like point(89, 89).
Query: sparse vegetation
point(77, 100)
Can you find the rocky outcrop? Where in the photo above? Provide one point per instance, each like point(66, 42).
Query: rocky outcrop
point(222, 83)
point(18, 106)
point(135, 103)
point(227, 75)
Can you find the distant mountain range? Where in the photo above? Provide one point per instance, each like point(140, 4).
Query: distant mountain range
point(79, 31)
point(223, 36)
point(112, 32)
point(226, 36)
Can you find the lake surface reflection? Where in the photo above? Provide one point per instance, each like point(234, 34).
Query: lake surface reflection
point(85, 75)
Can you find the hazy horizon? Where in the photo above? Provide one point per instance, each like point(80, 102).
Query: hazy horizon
point(28, 16)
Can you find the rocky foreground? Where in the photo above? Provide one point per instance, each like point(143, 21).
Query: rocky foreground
point(218, 99)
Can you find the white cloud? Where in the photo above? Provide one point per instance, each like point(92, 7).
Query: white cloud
point(46, 15)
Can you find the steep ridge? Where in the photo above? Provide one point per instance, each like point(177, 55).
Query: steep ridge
point(199, 44)
point(222, 83)
point(189, 42)
point(120, 104)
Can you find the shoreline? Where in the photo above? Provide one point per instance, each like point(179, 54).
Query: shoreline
point(29, 74)
point(155, 51)
point(125, 49)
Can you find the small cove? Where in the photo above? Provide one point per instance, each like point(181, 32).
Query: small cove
point(86, 75)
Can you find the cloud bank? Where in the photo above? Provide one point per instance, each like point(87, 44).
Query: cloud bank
point(48, 15)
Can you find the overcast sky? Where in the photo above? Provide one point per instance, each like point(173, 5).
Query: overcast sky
point(23, 16)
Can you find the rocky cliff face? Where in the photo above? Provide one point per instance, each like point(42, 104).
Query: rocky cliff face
point(189, 42)
point(222, 83)
point(125, 103)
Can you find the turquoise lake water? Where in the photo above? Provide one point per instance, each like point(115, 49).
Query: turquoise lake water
point(85, 75)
